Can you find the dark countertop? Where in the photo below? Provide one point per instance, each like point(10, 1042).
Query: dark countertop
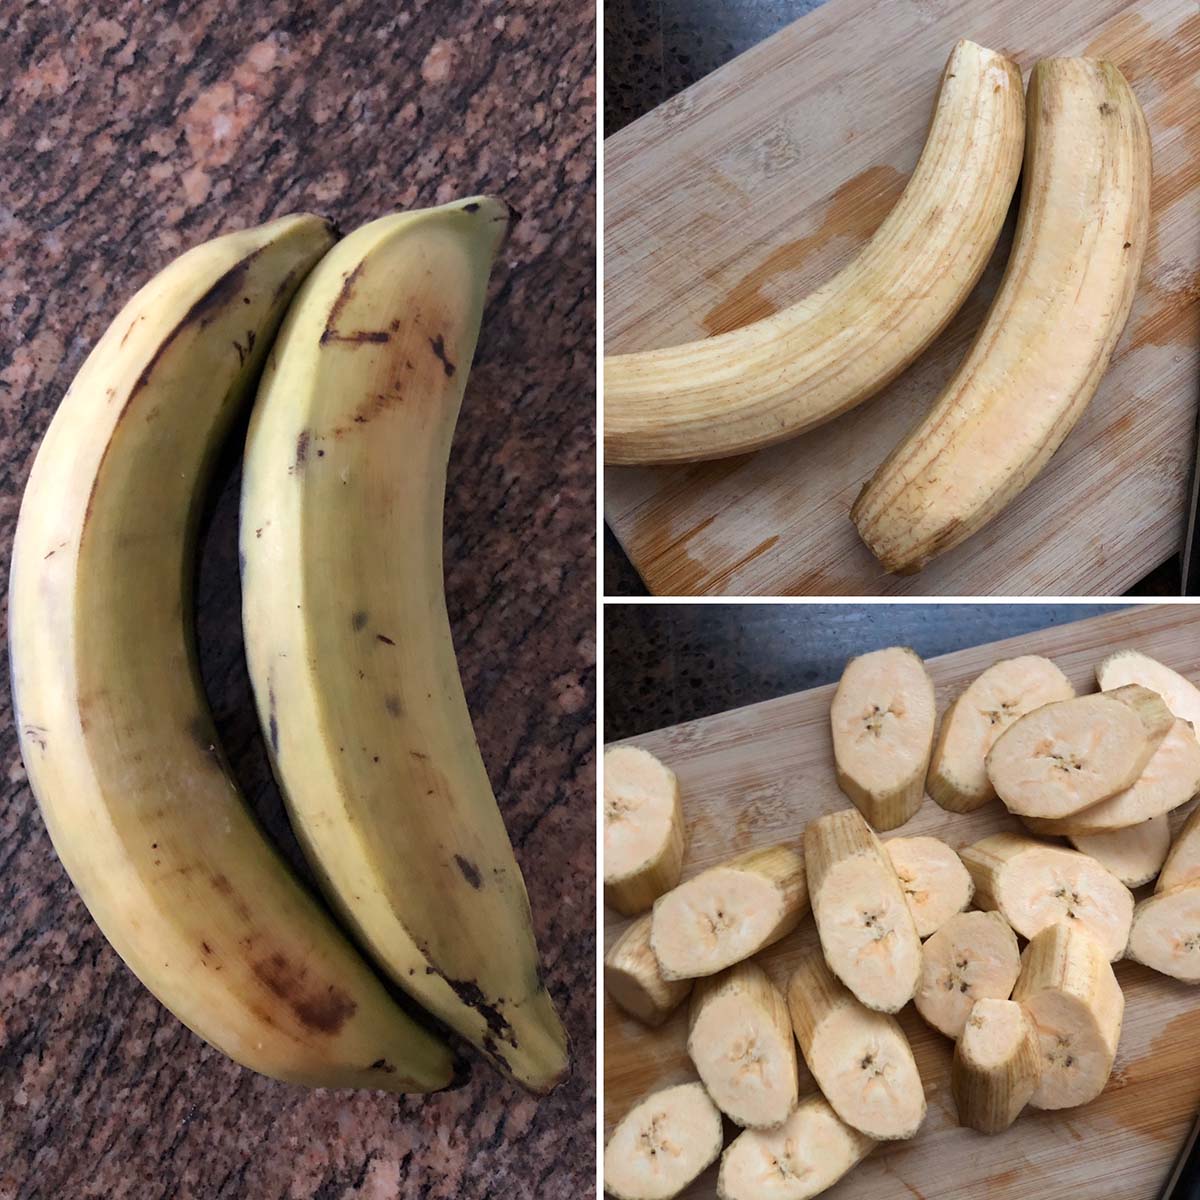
point(653, 51)
point(667, 663)
point(128, 138)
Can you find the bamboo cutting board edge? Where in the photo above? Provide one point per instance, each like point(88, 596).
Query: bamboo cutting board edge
point(755, 775)
point(1110, 505)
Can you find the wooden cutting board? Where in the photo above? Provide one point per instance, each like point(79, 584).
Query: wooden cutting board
point(741, 194)
point(757, 775)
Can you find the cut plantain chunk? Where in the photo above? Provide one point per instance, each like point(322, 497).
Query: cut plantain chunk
point(883, 716)
point(662, 1144)
point(1003, 694)
point(1033, 885)
point(633, 980)
point(1183, 862)
point(808, 1153)
point(866, 927)
point(643, 829)
point(729, 912)
point(740, 1040)
point(974, 956)
point(997, 1065)
point(1170, 779)
point(1068, 988)
point(935, 882)
point(860, 1058)
point(1166, 932)
point(1065, 756)
point(1134, 855)
point(1180, 695)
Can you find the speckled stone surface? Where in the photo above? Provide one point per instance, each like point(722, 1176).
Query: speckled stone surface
point(665, 664)
point(129, 136)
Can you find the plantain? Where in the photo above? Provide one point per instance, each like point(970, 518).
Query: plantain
point(775, 378)
point(347, 636)
point(1050, 332)
point(115, 731)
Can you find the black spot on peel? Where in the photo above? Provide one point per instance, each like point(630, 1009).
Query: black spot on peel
point(358, 337)
point(202, 313)
point(470, 872)
point(472, 207)
point(393, 705)
point(438, 345)
point(331, 334)
point(358, 620)
point(325, 1008)
point(1106, 109)
point(205, 947)
point(272, 720)
point(382, 1064)
point(382, 637)
point(1126, 246)
point(285, 285)
point(223, 887)
point(470, 994)
point(301, 450)
point(205, 310)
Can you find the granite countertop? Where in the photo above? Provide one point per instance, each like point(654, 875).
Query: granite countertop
point(135, 134)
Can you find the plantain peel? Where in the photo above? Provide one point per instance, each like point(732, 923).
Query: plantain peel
point(347, 637)
point(114, 728)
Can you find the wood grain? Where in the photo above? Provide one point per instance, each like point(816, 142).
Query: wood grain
point(757, 775)
point(742, 193)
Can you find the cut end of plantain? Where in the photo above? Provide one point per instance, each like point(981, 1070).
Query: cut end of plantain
point(860, 1058)
point(662, 1144)
point(1183, 862)
point(1034, 885)
point(729, 912)
point(883, 717)
point(1135, 855)
point(1068, 988)
point(973, 957)
point(866, 927)
point(808, 1153)
point(1004, 693)
point(643, 829)
point(633, 980)
point(1180, 695)
point(997, 1065)
point(740, 1040)
point(1166, 932)
point(1065, 756)
point(935, 882)
point(1169, 780)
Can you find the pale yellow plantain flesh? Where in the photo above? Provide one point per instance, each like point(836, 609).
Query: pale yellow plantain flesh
point(773, 379)
point(115, 730)
point(1047, 339)
point(347, 637)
